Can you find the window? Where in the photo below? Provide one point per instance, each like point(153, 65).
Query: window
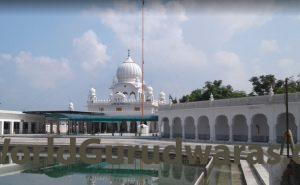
point(137, 108)
point(118, 109)
point(101, 109)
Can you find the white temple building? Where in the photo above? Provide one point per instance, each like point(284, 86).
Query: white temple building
point(126, 94)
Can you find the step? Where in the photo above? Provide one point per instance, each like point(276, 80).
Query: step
point(262, 173)
point(249, 175)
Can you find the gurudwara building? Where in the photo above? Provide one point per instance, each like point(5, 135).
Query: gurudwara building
point(257, 119)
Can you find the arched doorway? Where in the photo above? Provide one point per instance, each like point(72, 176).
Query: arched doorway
point(189, 128)
point(177, 128)
point(203, 128)
point(222, 128)
point(239, 128)
point(281, 127)
point(259, 128)
point(165, 128)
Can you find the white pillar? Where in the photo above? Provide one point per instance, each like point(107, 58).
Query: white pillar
point(272, 127)
point(211, 123)
point(171, 128)
point(128, 126)
point(196, 129)
point(11, 127)
point(297, 122)
point(230, 128)
point(248, 119)
point(1, 127)
point(182, 129)
point(21, 127)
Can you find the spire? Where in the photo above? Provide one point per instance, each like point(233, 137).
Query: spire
point(71, 106)
point(128, 53)
point(271, 91)
point(211, 97)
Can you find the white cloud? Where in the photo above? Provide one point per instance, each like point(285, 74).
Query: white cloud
point(287, 67)
point(285, 62)
point(230, 69)
point(89, 51)
point(269, 46)
point(212, 29)
point(41, 72)
point(165, 47)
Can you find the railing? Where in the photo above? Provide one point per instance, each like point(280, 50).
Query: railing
point(240, 138)
point(264, 139)
point(108, 101)
point(203, 136)
point(221, 137)
point(253, 100)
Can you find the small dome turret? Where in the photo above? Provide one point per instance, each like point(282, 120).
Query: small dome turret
point(71, 106)
point(92, 95)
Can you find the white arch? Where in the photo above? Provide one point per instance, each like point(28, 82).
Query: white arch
point(203, 128)
point(222, 128)
point(177, 128)
point(281, 126)
point(259, 128)
point(239, 128)
point(189, 128)
point(165, 128)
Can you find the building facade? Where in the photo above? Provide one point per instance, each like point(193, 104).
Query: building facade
point(126, 98)
point(249, 119)
point(16, 122)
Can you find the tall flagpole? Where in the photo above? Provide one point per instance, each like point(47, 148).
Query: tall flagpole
point(142, 59)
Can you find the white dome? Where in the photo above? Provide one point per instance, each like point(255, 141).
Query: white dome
point(162, 93)
point(129, 71)
point(150, 89)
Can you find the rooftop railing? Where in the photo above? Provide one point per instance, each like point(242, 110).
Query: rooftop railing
point(253, 100)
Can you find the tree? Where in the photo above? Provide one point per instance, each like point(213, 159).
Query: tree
point(262, 85)
point(216, 88)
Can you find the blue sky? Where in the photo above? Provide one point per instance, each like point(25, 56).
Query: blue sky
point(49, 58)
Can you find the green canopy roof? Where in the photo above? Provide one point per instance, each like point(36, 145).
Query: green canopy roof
point(91, 116)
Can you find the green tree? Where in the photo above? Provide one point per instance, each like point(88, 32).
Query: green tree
point(216, 88)
point(262, 85)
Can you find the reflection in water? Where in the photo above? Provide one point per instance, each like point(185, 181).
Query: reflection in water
point(165, 169)
point(104, 174)
point(177, 170)
point(189, 173)
point(90, 180)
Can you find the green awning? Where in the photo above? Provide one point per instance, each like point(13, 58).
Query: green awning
point(91, 116)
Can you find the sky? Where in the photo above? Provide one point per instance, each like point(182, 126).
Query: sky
point(52, 56)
